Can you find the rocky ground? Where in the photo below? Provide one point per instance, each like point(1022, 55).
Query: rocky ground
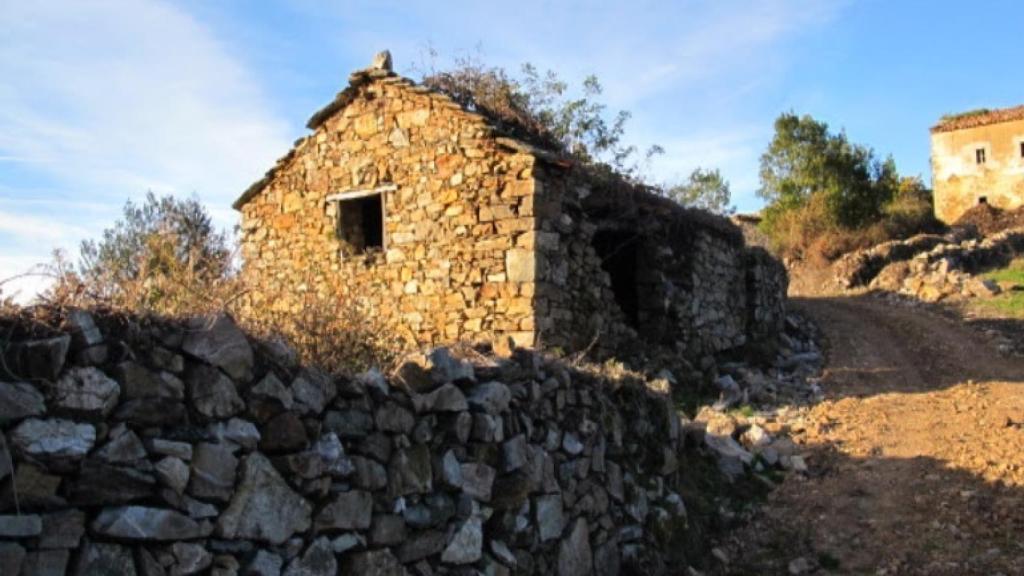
point(911, 461)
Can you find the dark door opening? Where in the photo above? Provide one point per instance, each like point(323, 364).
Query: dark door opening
point(618, 252)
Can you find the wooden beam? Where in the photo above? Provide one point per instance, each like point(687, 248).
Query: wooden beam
point(353, 194)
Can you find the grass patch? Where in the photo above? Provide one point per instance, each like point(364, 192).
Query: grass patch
point(1012, 274)
point(1010, 303)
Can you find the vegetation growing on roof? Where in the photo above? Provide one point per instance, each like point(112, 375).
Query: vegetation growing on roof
point(541, 108)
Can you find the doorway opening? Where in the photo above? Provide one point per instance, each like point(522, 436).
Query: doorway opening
point(619, 251)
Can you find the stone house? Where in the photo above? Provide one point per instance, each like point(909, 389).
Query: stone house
point(436, 222)
point(978, 157)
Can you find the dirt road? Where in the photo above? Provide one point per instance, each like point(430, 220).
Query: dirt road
point(916, 456)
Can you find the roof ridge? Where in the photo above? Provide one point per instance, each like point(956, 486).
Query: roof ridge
point(982, 117)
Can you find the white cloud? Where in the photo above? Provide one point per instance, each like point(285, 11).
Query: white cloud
point(104, 100)
point(114, 97)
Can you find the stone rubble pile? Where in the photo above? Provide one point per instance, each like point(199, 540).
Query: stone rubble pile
point(174, 449)
point(947, 270)
point(931, 267)
point(744, 428)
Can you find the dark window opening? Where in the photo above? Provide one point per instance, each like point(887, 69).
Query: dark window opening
point(618, 252)
point(361, 223)
point(982, 199)
point(979, 156)
point(1022, 149)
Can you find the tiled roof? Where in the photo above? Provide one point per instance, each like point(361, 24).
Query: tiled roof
point(978, 118)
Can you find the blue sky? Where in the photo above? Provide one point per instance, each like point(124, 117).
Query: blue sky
point(103, 100)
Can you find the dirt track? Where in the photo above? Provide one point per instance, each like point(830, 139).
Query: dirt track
point(916, 455)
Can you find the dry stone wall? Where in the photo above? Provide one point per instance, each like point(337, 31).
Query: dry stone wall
point(458, 218)
point(487, 238)
point(692, 284)
point(163, 448)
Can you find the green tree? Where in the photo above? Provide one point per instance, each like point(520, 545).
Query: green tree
point(162, 255)
point(540, 107)
point(705, 189)
point(805, 159)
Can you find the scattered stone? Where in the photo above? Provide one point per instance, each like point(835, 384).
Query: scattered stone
point(445, 368)
point(53, 440)
point(212, 393)
point(447, 398)
point(173, 473)
point(373, 563)
point(143, 523)
point(491, 397)
point(86, 393)
point(332, 456)
point(20, 526)
point(574, 556)
point(19, 400)
point(477, 480)
point(312, 390)
point(466, 545)
point(42, 359)
point(265, 564)
point(11, 557)
point(62, 530)
point(189, 559)
point(387, 530)
point(238, 431)
point(122, 448)
point(549, 516)
point(102, 558)
point(139, 382)
point(348, 511)
point(410, 471)
point(101, 484)
point(318, 560)
point(182, 450)
point(220, 342)
point(213, 472)
point(346, 542)
point(264, 507)
point(271, 388)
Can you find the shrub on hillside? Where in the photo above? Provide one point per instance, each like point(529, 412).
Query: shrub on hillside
point(827, 196)
point(163, 256)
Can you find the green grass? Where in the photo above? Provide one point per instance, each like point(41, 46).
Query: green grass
point(1011, 302)
point(1013, 274)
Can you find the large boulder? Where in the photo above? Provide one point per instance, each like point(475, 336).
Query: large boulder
point(54, 440)
point(219, 341)
point(264, 507)
point(85, 392)
point(144, 523)
point(19, 400)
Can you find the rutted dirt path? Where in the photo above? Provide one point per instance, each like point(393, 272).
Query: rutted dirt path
point(916, 455)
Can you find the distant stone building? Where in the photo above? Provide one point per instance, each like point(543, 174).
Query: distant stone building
point(978, 157)
point(445, 228)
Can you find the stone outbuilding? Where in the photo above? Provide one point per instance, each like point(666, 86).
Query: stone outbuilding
point(978, 157)
point(437, 222)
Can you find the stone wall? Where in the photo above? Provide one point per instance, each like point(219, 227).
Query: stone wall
point(164, 448)
point(459, 214)
point(695, 287)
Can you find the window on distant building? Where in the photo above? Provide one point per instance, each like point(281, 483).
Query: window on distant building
point(1022, 149)
point(979, 156)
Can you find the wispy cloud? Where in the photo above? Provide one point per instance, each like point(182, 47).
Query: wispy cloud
point(107, 99)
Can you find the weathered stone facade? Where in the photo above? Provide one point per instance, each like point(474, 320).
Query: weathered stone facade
point(484, 237)
point(162, 448)
point(978, 158)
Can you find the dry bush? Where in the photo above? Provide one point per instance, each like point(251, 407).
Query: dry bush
point(809, 233)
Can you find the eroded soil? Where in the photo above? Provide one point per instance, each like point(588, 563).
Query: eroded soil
point(916, 456)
